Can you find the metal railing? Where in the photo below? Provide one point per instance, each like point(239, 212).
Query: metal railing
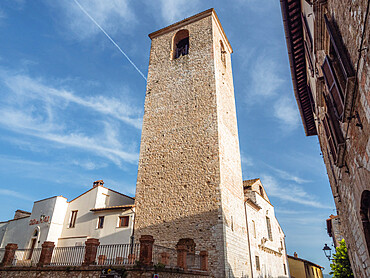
point(26, 257)
point(117, 254)
point(69, 256)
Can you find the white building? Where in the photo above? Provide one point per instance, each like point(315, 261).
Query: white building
point(99, 213)
point(266, 238)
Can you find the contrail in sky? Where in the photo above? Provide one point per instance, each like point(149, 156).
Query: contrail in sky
point(97, 24)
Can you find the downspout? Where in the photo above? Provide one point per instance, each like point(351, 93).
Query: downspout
point(132, 238)
point(249, 243)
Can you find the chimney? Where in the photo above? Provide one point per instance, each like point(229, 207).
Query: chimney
point(295, 255)
point(98, 183)
point(21, 213)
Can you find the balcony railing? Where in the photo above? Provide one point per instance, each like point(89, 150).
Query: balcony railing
point(68, 256)
point(26, 257)
point(117, 254)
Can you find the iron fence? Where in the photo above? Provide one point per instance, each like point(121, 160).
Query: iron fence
point(27, 257)
point(70, 256)
point(117, 254)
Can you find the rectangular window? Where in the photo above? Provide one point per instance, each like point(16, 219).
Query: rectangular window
point(123, 221)
point(284, 269)
point(258, 267)
point(268, 224)
point(254, 228)
point(72, 221)
point(101, 222)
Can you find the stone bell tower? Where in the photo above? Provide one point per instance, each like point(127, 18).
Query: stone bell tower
point(189, 182)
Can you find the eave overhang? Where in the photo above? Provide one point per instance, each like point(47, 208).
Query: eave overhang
point(291, 12)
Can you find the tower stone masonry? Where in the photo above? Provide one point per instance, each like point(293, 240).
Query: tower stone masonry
point(189, 182)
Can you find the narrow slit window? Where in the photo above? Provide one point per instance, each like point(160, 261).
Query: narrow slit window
point(72, 221)
point(181, 44)
point(258, 267)
point(223, 54)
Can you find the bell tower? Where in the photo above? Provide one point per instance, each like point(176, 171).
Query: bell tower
point(189, 181)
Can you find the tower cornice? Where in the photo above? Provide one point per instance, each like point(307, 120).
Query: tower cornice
point(186, 21)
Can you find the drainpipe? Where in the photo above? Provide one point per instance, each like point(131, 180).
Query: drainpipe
point(249, 243)
point(132, 238)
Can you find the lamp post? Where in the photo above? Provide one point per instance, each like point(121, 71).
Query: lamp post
point(327, 251)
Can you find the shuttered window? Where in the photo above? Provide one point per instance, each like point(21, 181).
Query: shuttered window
point(338, 72)
point(334, 91)
point(330, 137)
point(308, 46)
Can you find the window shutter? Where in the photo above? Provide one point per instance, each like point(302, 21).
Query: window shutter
point(329, 137)
point(336, 42)
point(333, 89)
point(308, 46)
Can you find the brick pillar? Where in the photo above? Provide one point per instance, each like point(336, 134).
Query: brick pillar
point(9, 254)
point(91, 248)
point(165, 258)
point(46, 253)
point(203, 260)
point(146, 249)
point(182, 251)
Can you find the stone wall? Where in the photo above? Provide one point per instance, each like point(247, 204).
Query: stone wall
point(189, 181)
point(92, 272)
point(350, 181)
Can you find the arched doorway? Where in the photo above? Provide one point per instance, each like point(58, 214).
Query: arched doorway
point(33, 242)
point(365, 216)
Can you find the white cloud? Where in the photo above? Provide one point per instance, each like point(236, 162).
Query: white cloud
point(105, 145)
point(290, 193)
point(15, 194)
point(172, 11)
point(286, 111)
point(89, 165)
point(113, 15)
point(33, 88)
point(265, 77)
point(246, 160)
point(287, 176)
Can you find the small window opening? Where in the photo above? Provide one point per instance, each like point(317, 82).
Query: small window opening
point(181, 44)
point(101, 222)
point(268, 224)
point(72, 221)
point(223, 54)
point(261, 191)
point(258, 267)
point(123, 221)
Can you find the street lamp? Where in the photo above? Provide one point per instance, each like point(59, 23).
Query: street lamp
point(327, 251)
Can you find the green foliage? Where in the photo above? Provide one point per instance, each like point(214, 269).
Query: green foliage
point(341, 267)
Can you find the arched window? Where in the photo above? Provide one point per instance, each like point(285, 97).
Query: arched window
point(180, 44)
point(365, 216)
point(223, 53)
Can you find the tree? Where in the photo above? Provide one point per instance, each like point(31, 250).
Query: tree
point(341, 267)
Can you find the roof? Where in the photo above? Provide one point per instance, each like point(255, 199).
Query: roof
point(113, 208)
point(304, 261)
point(291, 12)
point(249, 182)
point(103, 187)
point(49, 198)
point(186, 21)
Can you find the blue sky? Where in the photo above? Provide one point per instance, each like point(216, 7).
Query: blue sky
point(71, 105)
